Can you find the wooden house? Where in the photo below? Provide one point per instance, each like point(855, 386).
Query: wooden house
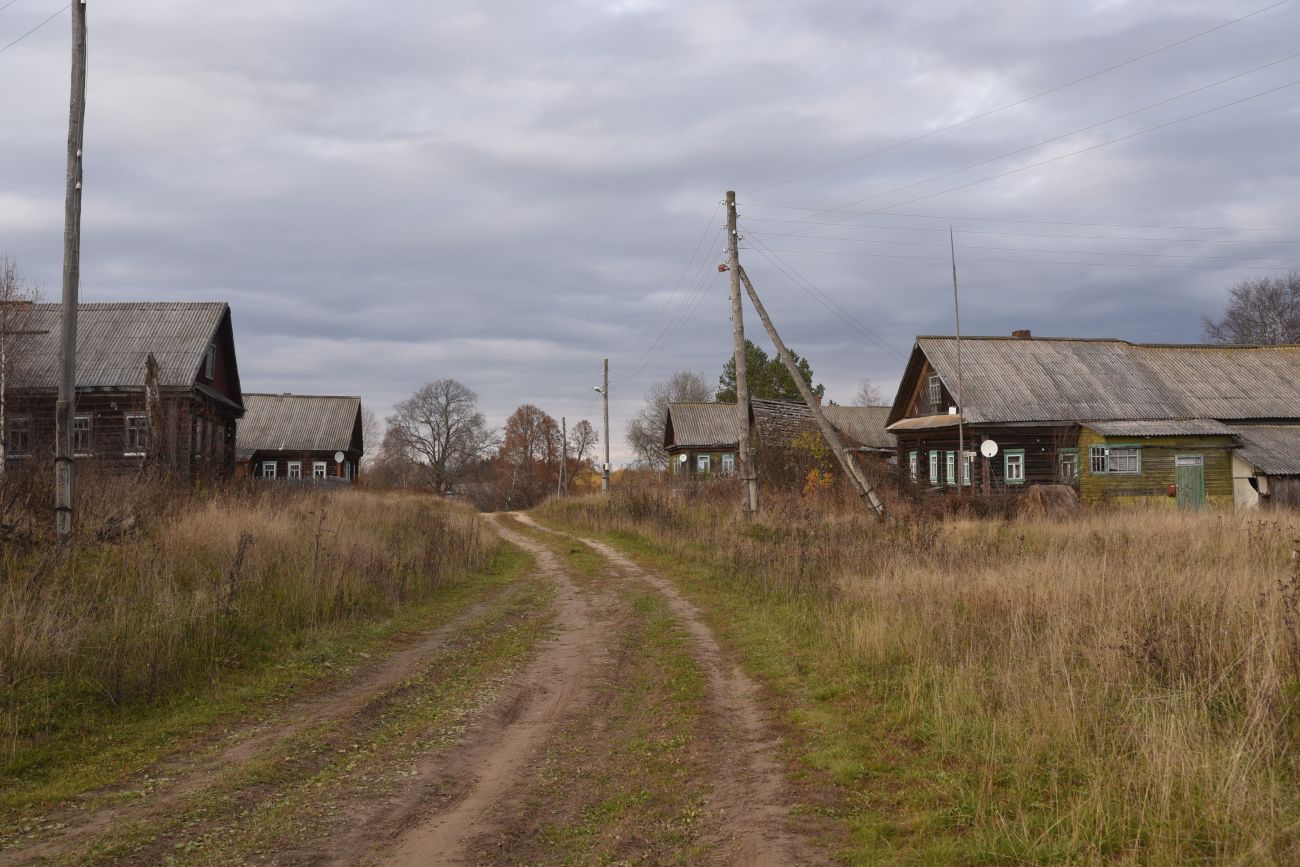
point(702, 439)
point(1187, 425)
point(156, 382)
point(301, 437)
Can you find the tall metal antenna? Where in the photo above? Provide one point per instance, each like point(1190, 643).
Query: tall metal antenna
point(961, 407)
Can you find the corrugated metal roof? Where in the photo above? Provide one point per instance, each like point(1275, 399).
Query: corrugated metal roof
point(1057, 379)
point(1165, 427)
point(863, 424)
point(926, 422)
point(296, 422)
point(1273, 449)
point(113, 341)
point(704, 424)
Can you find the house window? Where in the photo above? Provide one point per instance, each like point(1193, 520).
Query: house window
point(198, 438)
point(913, 465)
point(968, 468)
point(1120, 460)
point(210, 361)
point(936, 390)
point(295, 470)
point(1067, 466)
point(318, 469)
point(347, 470)
point(1013, 466)
point(728, 463)
point(950, 468)
point(703, 463)
point(137, 435)
point(268, 469)
point(81, 439)
point(19, 435)
point(934, 468)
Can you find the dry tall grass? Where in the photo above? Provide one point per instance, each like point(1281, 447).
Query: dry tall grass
point(203, 586)
point(1120, 686)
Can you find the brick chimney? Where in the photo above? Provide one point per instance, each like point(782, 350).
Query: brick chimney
point(1022, 334)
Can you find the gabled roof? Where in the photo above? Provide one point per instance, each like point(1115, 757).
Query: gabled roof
point(1164, 427)
point(113, 341)
point(701, 425)
point(298, 422)
point(1009, 379)
point(863, 424)
point(1273, 449)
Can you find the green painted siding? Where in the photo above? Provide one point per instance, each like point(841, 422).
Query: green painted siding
point(1151, 485)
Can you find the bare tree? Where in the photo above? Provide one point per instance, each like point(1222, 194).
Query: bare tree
point(371, 436)
point(869, 395)
point(1263, 310)
point(583, 439)
point(440, 429)
point(645, 430)
point(17, 294)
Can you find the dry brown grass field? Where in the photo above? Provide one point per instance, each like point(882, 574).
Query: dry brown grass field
point(1121, 686)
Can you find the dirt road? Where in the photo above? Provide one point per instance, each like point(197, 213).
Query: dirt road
point(584, 714)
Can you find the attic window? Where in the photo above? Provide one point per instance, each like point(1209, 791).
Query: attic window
point(210, 361)
point(936, 390)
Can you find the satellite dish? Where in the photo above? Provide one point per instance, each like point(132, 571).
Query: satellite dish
point(988, 448)
point(681, 459)
point(338, 457)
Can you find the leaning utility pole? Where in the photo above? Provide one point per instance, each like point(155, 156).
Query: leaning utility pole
point(66, 406)
point(604, 476)
point(851, 469)
point(748, 478)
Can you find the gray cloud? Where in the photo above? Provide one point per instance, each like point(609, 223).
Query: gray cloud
point(508, 192)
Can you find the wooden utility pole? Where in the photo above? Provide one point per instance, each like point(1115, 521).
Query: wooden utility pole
point(564, 454)
point(66, 407)
point(604, 475)
point(961, 408)
point(850, 466)
point(748, 477)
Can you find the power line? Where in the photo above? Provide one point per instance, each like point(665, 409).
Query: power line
point(1023, 261)
point(774, 234)
point(949, 217)
point(7, 5)
point(672, 295)
point(1020, 102)
point(1034, 250)
point(825, 300)
point(680, 317)
point(1082, 129)
point(34, 29)
point(1091, 147)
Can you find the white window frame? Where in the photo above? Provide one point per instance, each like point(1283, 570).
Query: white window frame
point(1016, 458)
point(17, 425)
point(728, 463)
point(934, 467)
point(968, 468)
point(936, 389)
point(293, 470)
point(210, 361)
point(1066, 457)
point(704, 463)
point(140, 447)
point(1114, 460)
point(319, 469)
point(913, 464)
point(271, 466)
point(950, 467)
point(347, 470)
point(86, 449)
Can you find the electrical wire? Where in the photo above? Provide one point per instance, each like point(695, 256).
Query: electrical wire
point(7, 5)
point(1023, 261)
point(1082, 129)
point(826, 300)
point(950, 218)
point(1020, 102)
point(34, 29)
point(677, 321)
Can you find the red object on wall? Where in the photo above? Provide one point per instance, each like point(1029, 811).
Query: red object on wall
point(1173, 490)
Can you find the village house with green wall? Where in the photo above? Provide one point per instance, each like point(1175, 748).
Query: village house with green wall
point(1182, 426)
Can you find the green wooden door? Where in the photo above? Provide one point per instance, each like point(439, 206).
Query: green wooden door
point(1190, 478)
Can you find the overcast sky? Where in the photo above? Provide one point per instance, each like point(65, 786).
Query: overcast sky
point(507, 192)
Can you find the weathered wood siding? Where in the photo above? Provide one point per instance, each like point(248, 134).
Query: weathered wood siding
point(1040, 445)
point(689, 471)
point(1151, 485)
